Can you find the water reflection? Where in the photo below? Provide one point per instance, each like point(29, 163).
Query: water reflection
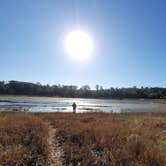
point(43, 104)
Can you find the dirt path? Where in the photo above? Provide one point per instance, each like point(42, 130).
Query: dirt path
point(55, 151)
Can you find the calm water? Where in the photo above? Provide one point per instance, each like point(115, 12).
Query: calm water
point(50, 104)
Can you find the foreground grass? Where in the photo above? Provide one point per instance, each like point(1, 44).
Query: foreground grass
point(23, 140)
point(133, 139)
point(112, 139)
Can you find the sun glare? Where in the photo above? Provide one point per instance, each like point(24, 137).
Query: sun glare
point(79, 45)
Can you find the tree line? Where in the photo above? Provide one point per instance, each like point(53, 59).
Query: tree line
point(37, 89)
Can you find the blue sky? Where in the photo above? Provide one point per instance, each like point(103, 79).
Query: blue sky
point(129, 41)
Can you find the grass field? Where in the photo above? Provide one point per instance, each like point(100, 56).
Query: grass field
point(22, 140)
point(131, 139)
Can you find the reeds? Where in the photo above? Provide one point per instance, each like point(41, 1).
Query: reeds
point(88, 139)
point(22, 140)
point(111, 139)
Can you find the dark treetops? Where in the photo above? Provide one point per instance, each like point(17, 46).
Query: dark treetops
point(36, 89)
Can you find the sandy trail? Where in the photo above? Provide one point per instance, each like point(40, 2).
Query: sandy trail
point(55, 150)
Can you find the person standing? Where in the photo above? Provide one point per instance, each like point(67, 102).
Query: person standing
point(74, 107)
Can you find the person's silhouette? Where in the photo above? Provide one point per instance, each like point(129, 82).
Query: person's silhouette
point(74, 107)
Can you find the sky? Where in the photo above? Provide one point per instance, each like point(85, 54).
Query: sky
point(129, 40)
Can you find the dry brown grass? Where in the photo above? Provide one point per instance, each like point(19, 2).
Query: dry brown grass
point(89, 139)
point(22, 140)
point(135, 139)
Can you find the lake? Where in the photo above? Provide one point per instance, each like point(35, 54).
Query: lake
point(56, 104)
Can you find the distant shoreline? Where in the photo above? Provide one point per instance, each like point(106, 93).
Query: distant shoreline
point(36, 89)
point(160, 101)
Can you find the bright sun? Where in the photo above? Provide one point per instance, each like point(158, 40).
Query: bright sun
point(79, 45)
